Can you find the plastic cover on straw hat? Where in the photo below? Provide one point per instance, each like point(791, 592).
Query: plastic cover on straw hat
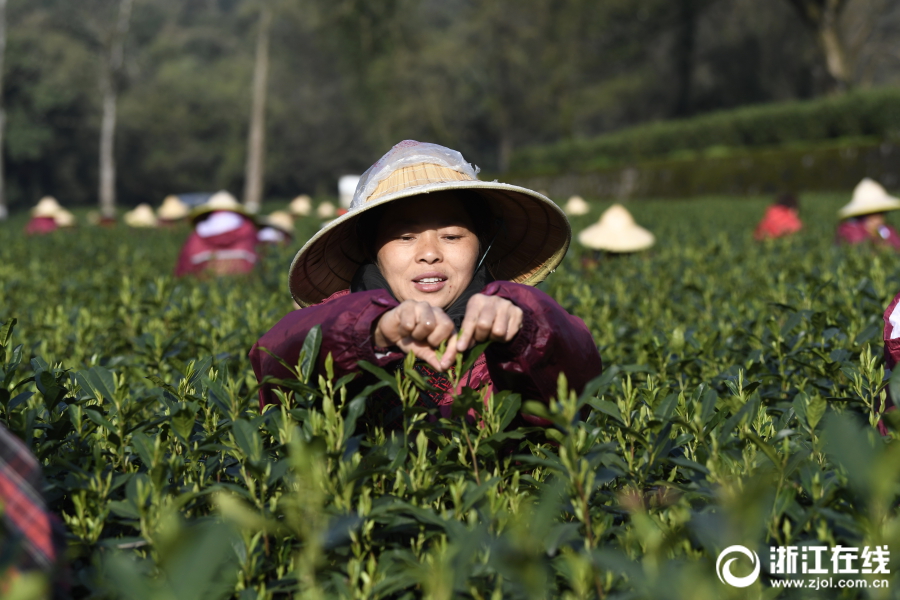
point(532, 235)
point(616, 231)
point(173, 209)
point(220, 201)
point(46, 207)
point(141, 216)
point(869, 197)
point(577, 206)
point(301, 206)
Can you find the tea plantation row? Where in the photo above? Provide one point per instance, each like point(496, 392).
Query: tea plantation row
point(738, 406)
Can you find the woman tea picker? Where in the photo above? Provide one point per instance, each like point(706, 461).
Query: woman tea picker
point(429, 254)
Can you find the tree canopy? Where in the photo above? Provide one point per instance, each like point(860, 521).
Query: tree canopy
point(349, 78)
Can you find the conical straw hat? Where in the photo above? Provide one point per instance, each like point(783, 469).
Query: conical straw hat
point(301, 206)
point(533, 233)
point(577, 206)
point(173, 209)
point(868, 197)
point(46, 207)
point(64, 218)
point(141, 216)
point(616, 231)
point(280, 220)
point(326, 210)
point(220, 201)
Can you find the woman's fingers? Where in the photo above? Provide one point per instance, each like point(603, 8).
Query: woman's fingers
point(470, 320)
point(420, 328)
point(417, 327)
point(386, 329)
point(489, 318)
point(408, 318)
point(449, 357)
point(443, 328)
point(516, 315)
point(422, 351)
point(500, 323)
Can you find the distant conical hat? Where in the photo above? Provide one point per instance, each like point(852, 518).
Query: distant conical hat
point(301, 206)
point(868, 198)
point(93, 217)
point(64, 218)
point(173, 209)
point(46, 207)
point(141, 216)
point(280, 220)
point(326, 210)
point(347, 189)
point(576, 206)
point(616, 231)
point(220, 201)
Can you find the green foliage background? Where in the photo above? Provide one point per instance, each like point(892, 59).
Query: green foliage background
point(870, 113)
point(737, 407)
point(350, 78)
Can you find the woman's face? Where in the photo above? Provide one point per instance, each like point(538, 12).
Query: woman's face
point(426, 248)
point(873, 223)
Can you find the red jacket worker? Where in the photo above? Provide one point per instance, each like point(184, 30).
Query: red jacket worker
point(43, 216)
point(781, 219)
point(223, 241)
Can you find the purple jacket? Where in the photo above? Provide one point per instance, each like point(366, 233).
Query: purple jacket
point(854, 232)
point(550, 341)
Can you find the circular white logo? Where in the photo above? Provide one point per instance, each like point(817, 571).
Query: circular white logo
point(724, 571)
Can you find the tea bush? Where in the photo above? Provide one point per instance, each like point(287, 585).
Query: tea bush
point(738, 405)
point(825, 167)
point(862, 113)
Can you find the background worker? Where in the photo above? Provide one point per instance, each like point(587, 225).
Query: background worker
point(781, 219)
point(223, 241)
point(863, 218)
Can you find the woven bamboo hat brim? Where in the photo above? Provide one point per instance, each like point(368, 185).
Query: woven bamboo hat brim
point(46, 207)
point(173, 209)
point(532, 240)
point(141, 216)
point(280, 220)
point(576, 206)
point(219, 201)
point(616, 231)
point(869, 197)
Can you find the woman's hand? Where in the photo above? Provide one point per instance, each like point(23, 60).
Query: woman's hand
point(489, 318)
point(419, 328)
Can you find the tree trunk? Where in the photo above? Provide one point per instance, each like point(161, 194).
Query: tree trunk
point(684, 56)
point(833, 48)
point(823, 17)
point(4, 211)
point(108, 85)
point(107, 147)
point(256, 140)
